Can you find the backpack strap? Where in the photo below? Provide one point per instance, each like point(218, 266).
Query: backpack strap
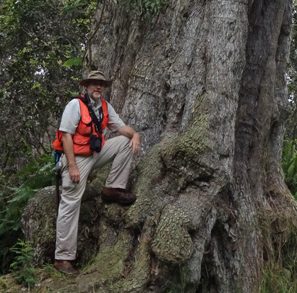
point(105, 117)
point(86, 99)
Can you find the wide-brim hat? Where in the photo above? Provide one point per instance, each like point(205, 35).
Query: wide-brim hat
point(96, 75)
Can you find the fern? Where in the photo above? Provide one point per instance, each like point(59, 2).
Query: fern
point(289, 164)
point(22, 266)
point(25, 183)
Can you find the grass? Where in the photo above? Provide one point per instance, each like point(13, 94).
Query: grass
point(278, 279)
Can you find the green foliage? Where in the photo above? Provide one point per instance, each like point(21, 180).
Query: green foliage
point(277, 279)
point(72, 62)
point(22, 266)
point(280, 274)
point(32, 177)
point(12, 212)
point(42, 44)
point(289, 164)
point(38, 173)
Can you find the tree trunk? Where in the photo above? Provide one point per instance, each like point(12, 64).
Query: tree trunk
point(204, 83)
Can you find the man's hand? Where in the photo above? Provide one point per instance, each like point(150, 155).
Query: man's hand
point(68, 149)
point(135, 143)
point(133, 135)
point(74, 173)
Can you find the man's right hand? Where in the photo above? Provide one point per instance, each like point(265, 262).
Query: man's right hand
point(74, 173)
point(68, 149)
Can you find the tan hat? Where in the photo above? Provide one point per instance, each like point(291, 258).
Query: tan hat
point(95, 76)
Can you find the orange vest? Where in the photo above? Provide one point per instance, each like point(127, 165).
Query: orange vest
point(86, 127)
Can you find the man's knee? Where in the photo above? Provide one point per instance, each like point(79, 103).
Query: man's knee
point(124, 145)
point(124, 139)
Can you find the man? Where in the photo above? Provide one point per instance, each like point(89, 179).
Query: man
point(81, 141)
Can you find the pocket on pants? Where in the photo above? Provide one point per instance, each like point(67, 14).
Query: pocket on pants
point(63, 162)
point(67, 183)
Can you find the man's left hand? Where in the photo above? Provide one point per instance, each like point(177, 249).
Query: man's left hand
point(135, 143)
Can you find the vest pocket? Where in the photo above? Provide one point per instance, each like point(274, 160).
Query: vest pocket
point(81, 140)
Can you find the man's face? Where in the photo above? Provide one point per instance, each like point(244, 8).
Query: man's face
point(95, 89)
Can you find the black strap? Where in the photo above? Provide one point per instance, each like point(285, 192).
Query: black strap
point(57, 156)
point(96, 121)
point(58, 183)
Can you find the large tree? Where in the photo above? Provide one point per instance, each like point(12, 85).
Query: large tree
point(205, 84)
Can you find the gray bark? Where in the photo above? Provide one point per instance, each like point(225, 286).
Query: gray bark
point(205, 80)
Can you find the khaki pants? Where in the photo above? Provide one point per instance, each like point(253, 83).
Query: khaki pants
point(116, 149)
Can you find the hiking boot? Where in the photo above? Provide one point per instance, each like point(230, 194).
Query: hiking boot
point(118, 195)
point(65, 266)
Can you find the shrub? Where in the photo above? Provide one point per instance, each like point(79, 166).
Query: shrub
point(26, 182)
point(289, 164)
point(22, 266)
